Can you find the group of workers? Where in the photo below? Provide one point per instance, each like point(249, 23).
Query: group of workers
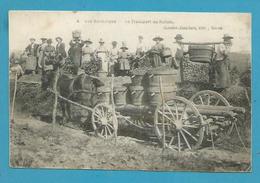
point(46, 57)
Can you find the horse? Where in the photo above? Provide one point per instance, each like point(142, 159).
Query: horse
point(81, 89)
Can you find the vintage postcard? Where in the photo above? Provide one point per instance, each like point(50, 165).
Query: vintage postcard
point(158, 91)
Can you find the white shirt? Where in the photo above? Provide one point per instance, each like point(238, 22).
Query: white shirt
point(141, 47)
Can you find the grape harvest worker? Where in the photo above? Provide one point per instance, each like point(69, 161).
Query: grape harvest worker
point(47, 66)
point(75, 51)
point(178, 51)
point(222, 63)
point(31, 51)
point(40, 50)
point(60, 51)
point(123, 59)
point(101, 54)
point(156, 52)
point(87, 53)
point(113, 56)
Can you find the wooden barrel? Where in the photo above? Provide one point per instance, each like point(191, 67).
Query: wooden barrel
point(137, 76)
point(155, 94)
point(120, 95)
point(168, 77)
point(200, 53)
point(136, 93)
point(103, 94)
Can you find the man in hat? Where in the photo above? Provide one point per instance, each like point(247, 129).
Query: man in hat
point(178, 51)
point(123, 58)
point(87, 54)
point(113, 56)
point(156, 52)
point(102, 54)
point(31, 51)
point(48, 64)
point(222, 63)
point(40, 50)
point(60, 51)
point(75, 51)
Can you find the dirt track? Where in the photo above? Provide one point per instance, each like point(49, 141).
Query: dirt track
point(34, 144)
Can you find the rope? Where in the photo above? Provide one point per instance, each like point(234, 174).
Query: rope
point(239, 136)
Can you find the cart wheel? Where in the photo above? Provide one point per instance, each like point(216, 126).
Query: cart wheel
point(208, 97)
point(102, 120)
point(183, 124)
point(220, 126)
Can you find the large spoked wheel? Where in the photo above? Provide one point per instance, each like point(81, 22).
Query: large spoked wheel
point(102, 121)
point(181, 123)
point(219, 126)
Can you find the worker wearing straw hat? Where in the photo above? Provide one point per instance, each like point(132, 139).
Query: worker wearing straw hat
point(101, 54)
point(60, 51)
point(156, 52)
point(31, 51)
point(222, 63)
point(47, 65)
point(75, 51)
point(123, 58)
point(178, 51)
point(87, 53)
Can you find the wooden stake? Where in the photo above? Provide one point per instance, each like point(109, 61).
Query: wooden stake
point(115, 122)
point(14, 95)
point(162, 97)
point(55, 98)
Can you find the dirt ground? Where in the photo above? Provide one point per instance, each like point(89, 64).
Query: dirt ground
point(36, 144)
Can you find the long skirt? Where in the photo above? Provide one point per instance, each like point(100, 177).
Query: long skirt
point(156, 60)
point(222, 75)
point(31, 63)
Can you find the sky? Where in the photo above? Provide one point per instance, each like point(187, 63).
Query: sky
point(127, 26)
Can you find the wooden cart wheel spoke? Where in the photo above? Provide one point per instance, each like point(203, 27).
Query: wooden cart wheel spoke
point(217, 102)
point(109, 131)
point(183, 124)
point(179, 141)
point(164, 115)
point(185, 139)
point(183, 112)
point(168, 108)
point(187, 132)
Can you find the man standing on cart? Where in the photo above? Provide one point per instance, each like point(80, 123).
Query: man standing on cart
point(222, 64)
point(178, 51)
point(102, 54)
point(47, 66)
point(75, 51)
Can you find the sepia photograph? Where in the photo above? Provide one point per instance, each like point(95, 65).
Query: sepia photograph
point(154, 91)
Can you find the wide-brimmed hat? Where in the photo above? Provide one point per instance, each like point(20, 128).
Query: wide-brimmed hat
point(88, 41)
point(140, 37)
point(43, 39)
point(32, 39)
point(49, 40)
point(124, 46)
point(114, 43)
point(58, 38)
point(178, 37)
point(158, 38)
point(227, 37)
point(101, 41)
